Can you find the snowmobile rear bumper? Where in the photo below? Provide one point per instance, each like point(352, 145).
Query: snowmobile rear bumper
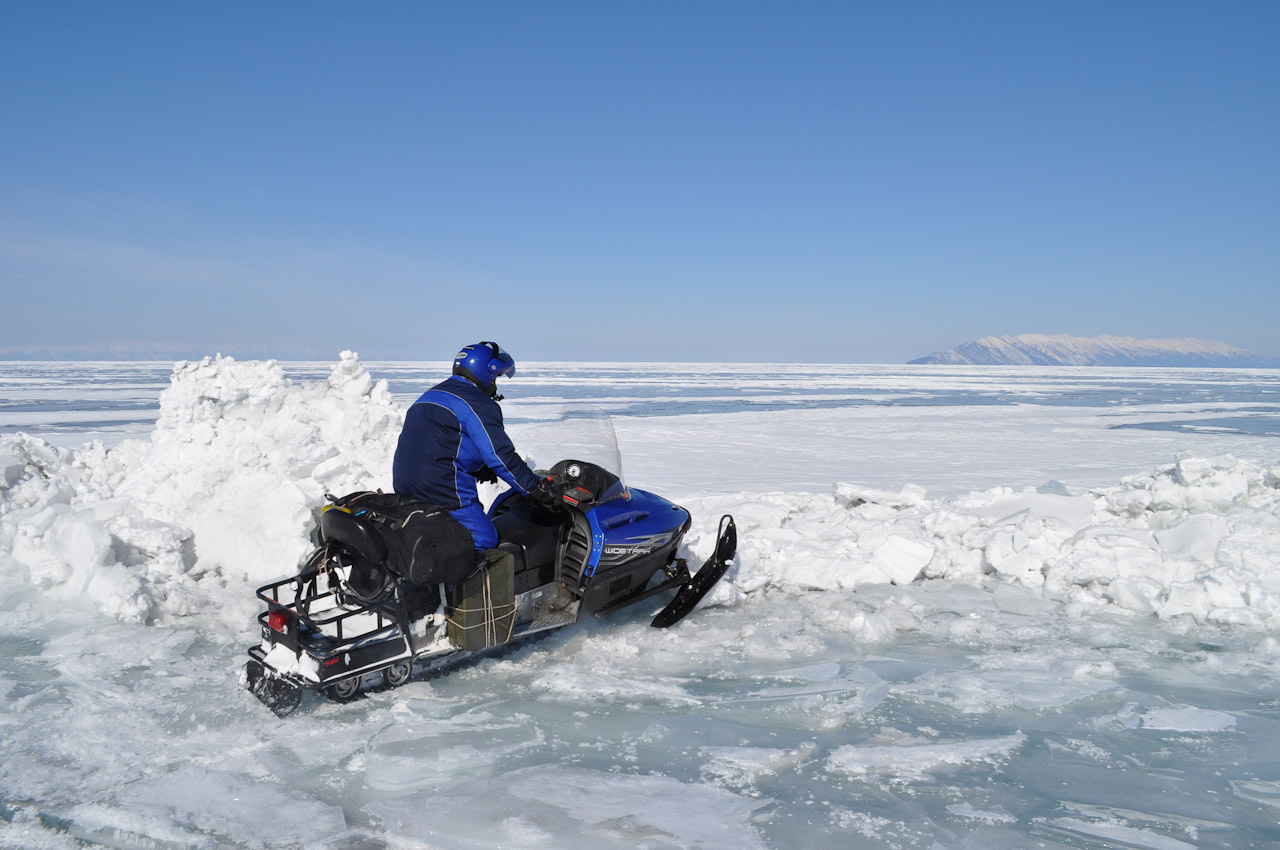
point(276, 692)
point(313, 644)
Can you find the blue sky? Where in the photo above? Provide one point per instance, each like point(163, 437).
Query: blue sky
point(857, 182)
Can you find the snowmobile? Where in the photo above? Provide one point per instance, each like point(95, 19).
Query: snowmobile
point(352, 620)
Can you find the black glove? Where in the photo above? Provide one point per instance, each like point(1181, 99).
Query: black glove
point(547, 492)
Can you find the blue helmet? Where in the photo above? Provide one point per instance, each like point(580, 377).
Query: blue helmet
point(482, 363)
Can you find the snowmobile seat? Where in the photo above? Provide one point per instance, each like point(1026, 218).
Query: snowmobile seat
point(533, 544)
point(356, 534)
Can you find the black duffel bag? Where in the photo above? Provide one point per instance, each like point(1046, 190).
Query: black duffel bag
point(424, 543)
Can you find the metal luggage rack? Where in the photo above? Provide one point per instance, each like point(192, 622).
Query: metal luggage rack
point(385, 613)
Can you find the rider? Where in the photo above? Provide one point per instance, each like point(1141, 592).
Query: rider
point(453, 435)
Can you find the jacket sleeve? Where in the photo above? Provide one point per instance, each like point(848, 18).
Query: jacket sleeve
point(490, 439)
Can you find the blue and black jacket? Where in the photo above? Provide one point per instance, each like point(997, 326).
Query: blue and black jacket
point(450, 434)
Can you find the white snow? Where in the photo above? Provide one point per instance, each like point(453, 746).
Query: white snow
point(1117, 834)
point(902, 757)
point(223, 495)
point(1187, 719)
point(1199, 538)
point(943, 629)
point(968, 812)
point(742, 767)
point(574, 809)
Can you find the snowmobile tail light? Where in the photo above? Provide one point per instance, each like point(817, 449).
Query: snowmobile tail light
point(278, 622)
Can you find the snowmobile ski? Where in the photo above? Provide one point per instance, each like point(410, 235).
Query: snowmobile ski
point(691, 594)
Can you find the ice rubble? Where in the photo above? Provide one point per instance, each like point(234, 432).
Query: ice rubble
point(222, 497)
point(903, 756)
point(1199, 537)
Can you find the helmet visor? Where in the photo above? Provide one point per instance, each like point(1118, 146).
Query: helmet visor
point(506, 366)
point(502, 363)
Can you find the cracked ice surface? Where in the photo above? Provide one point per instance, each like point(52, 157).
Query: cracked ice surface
point(925, 642)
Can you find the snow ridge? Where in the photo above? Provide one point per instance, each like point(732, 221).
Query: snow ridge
point(222, 498)
point(218, 500)
point(1195, 540)
point(1064, 350)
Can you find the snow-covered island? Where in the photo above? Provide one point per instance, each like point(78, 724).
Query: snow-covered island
point(1064, 350)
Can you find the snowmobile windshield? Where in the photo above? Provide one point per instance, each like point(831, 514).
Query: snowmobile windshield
point(580, 433)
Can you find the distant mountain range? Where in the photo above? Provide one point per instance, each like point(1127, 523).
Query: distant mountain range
point(1062, 350)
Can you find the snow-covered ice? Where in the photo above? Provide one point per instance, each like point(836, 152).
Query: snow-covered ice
point(968, 611)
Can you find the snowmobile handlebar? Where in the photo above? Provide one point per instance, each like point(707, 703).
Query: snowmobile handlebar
point(583, 484)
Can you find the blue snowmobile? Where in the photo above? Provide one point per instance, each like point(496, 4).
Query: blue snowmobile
point(355, 618)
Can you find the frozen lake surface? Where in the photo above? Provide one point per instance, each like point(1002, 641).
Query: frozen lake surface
point(974, 608)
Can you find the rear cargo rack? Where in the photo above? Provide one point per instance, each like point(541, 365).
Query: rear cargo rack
point(332, 626)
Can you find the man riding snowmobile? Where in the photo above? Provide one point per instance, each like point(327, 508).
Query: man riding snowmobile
point(406, 584)
point(453, 435)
